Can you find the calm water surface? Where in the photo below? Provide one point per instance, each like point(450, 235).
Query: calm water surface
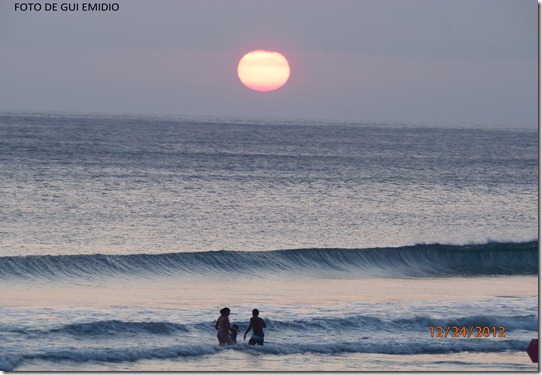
point(122, 238)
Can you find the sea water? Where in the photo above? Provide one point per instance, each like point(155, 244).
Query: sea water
point(366, 247)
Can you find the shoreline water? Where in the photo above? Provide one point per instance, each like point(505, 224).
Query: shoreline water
point(318, 323)
point(111, 224)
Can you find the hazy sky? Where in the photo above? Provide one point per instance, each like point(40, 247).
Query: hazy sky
point(412, 61)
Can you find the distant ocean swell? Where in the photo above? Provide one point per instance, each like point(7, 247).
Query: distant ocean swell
point(409, 261)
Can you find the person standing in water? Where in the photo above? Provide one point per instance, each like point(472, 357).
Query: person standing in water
point(233, 333)
point(257, 325)
point(222, 325)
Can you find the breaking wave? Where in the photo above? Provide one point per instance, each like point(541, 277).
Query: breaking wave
point(117, 328)
point(147, 334)
point(133, 354)
point(408, 261)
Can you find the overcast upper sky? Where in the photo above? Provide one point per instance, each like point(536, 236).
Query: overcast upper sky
point(408, 61)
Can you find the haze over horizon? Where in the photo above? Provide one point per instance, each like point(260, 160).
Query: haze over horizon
point(443, 62)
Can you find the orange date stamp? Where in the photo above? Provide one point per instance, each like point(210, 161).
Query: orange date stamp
point(467, 331)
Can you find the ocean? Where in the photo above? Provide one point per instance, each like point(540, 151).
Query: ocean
point(365, 246)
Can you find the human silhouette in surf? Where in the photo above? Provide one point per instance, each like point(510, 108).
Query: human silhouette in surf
point(257, 325)
point(222, 325)
point(234, 330)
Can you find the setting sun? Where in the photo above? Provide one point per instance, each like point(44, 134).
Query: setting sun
point(263, 70)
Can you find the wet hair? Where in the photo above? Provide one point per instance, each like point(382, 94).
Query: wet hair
point(255, 312)
point(224, 311)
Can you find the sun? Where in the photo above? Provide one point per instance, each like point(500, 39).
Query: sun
point(263, 70)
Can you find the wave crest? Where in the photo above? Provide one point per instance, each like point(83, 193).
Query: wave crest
point(408, 261)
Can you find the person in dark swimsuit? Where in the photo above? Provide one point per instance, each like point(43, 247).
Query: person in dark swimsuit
point(234, 330)
point(257, 325)
point(222, 325)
